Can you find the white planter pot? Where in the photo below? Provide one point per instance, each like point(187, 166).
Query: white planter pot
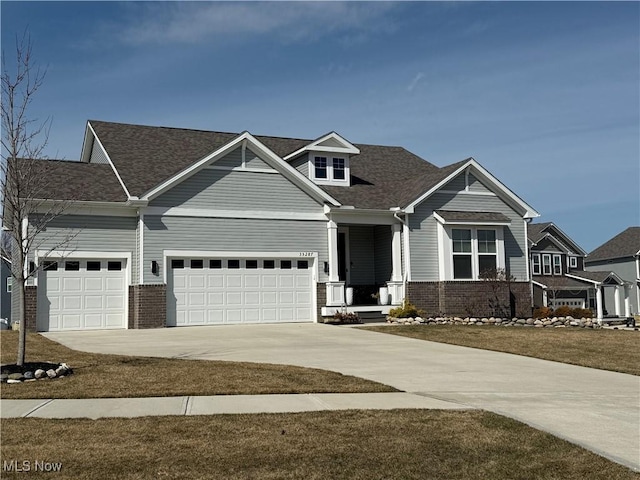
point(349, 296)
point(384, 296)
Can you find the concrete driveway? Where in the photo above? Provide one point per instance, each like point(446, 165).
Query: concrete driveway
point(597, 409)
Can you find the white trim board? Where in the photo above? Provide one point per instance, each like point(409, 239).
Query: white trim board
point(249, 214)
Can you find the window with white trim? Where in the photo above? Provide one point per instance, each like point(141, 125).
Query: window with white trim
point(474, 251)
point(329, 170)
point(9, 284)
point(557, 264)
point(573, 262)
point(546, 264)
point(535, 264)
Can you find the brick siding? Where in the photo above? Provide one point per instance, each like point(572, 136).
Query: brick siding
point(471, 298)
point(147, 306)
point(321, 296)
point(31, 306)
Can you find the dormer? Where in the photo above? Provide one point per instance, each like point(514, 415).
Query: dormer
point(326, 160)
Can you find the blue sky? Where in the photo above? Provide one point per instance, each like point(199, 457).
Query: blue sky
point(545, 95)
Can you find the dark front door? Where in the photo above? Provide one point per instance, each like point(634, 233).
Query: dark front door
point(342, 257)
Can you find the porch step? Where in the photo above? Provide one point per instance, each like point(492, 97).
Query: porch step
point(372, 317)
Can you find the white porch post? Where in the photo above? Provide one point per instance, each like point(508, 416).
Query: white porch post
point(617, 300)
point(396, 253)
point(627, 300)
point(395, 285)
point(599, 303)
point(332, 230)
point(545, 298)
point(335, 288)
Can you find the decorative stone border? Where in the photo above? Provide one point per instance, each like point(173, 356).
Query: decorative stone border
point(30, 372)
point(556, 322)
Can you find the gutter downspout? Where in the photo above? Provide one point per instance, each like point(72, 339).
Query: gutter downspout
point(405, 241)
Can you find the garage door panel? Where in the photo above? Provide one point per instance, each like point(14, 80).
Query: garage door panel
point(255, 290)
point(88, 296)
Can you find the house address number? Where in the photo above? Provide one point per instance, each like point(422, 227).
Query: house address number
point(306, 254)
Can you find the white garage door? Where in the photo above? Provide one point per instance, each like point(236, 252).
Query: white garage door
point(208, 291)
point(82, 294)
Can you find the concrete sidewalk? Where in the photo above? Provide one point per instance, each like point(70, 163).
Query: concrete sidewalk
point(218, 404)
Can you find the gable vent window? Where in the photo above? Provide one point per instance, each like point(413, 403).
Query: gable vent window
point(321, 167)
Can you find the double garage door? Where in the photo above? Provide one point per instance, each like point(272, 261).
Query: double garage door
point(207, 291)
point(82, 294)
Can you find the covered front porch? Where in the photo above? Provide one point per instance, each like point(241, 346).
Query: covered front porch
point(366, 265)
point(583, 289)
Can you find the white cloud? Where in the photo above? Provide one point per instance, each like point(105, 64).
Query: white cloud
point(415, 81)
point(194, 22)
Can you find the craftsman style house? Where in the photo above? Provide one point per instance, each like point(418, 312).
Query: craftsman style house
point(559, 277)
point(175, 227)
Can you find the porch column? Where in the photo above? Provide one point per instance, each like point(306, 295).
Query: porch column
point(627, 300)
point(335, 288)
point(545, 298)
point(396, 253)
point(599, 303)
point(332, 230)
point(617, 300)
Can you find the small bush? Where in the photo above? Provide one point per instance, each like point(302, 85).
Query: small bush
point(582, 313)
point(406, 310)
point(562, 311)
point(542, 312)
point(347, 317)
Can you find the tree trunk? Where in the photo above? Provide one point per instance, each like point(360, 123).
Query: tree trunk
point(22, 339)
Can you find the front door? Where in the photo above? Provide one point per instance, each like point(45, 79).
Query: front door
point(343, 255)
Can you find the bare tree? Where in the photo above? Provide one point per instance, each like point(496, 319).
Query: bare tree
point(26, 177)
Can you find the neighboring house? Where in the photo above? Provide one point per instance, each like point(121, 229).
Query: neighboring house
point(5, 284)
point(559, 277)
point(179, 227)
point(621, 255)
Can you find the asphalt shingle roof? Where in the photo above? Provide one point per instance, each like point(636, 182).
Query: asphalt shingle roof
point(382, 177)
point(69, 180)
point(536, 231)
point(455, 216)
point(625, 244)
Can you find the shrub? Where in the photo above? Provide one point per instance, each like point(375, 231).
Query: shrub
point(562, 311)
point(582, 313)
point(542, 312)
point(406, 310)
point(347, 317)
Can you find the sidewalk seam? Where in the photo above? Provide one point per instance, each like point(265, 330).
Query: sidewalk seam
point(37, 407)
point(187, 405)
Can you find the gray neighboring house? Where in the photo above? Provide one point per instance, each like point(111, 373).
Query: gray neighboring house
point(559, 277)
point(5, 285)
point(179, 227)
point(621, 255)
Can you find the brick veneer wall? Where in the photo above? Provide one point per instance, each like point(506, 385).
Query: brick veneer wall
point(471, 298)
point(31, 306)
point(147, 306)
point(321, 297)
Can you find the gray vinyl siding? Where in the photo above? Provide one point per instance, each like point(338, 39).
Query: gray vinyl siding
point(424, 240)
point(5, 297)
point(458, 184)
point(234, 160)
point(254, 161)
point(238, 190)
point(625, 269)
point(302, 165)
point(230, 234)
point(361, 255)
point(93, 233)
point(382, 250)
point(97, 155)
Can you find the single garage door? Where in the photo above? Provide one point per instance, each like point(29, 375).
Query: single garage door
point(82, 294)
point(208, 291)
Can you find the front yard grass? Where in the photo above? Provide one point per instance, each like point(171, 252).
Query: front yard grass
point(615, 350)
point(105, 376)
point(397, 444)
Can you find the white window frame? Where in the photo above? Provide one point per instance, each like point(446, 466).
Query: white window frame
point(573, 262)
point(536, 268)
point(546, 262)
point(557, 264)
point(330, 178)
point(448, 254)
point(9, 284)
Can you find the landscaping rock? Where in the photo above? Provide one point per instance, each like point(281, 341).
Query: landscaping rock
point(39, 373)
point(28, 375)
point(15, 376)
point(4, 377)
point(51, 373)
point(11, 380)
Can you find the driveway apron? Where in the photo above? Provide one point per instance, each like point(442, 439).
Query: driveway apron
point(597, 409)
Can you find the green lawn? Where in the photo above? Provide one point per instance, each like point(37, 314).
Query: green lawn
point(616, 350)
point(398, 444)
